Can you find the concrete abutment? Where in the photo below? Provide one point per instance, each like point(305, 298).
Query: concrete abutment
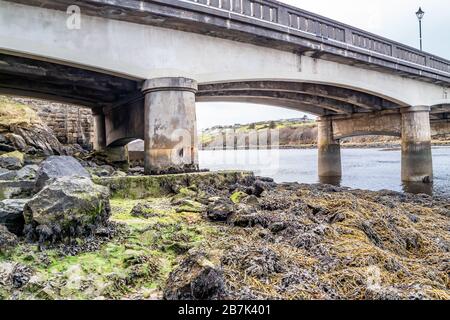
point(170, 130)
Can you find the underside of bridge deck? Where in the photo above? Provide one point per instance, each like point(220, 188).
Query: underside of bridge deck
point(63, 83)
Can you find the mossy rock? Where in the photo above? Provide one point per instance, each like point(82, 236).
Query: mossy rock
point(12, 112)
point(68, 207)
point(187, 205)
point(12, 160)
point(141, 187)
point(237, 196)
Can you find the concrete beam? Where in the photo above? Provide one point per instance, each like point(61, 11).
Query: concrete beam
point(320, 102)
point(386, 123)
point(136, 46)
point(41, 79)
point(342, 47)
point(269, 101)
point(351, 96)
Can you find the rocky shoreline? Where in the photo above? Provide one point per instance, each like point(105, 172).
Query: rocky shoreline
point(347, 145)
point(103, 233)
point(75, 225)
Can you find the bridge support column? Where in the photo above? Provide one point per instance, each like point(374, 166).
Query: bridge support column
point(170, 132)
point(329, 149)
point(417, 164)
point(100, 131)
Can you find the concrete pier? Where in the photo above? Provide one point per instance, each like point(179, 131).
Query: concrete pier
point(417, 163)
point(329, 149)
point(170, 130)
point(100, 131)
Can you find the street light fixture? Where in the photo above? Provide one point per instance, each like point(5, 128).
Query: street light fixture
point(420, 15)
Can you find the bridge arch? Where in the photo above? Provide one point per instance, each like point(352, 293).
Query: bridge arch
point(317, 99)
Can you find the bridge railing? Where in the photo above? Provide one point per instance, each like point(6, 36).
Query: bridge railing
point(304, 21)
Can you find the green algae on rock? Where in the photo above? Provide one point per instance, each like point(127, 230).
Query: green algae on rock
point(139, 187)
point(68, 207)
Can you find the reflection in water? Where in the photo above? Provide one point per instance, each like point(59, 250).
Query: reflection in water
point(409, 187)
point(335, 181)
point(369, 169)
point(418, 187)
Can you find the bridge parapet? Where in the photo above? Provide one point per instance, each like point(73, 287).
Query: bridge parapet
point(275, 12)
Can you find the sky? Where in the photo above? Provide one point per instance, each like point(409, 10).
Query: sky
point(393, 19)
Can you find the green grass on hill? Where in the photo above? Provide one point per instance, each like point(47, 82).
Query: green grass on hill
point(12, 112)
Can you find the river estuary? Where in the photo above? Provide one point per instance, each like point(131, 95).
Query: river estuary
point(371, 169)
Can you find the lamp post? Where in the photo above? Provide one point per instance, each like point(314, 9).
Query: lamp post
point(420, 15)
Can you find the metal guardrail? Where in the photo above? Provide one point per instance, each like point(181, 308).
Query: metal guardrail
point(304, 21)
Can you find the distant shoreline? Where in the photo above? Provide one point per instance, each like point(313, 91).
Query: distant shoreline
point(377, 145)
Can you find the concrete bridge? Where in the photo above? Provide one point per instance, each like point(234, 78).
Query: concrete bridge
point(142, 65)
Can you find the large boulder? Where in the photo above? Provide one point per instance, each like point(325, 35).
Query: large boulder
point(69, 207)
point(12, 160)
point(55, 167)
point(11, 214)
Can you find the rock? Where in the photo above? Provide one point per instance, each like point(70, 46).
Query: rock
point(17, 141)
point(119, 173)
point(259, 188)
point(251, 200)
point(220, 210)
point(67, 208)
point(28, 172)
point(6, 148)
point(16, 189)
point(56, 167)
point(36, 136)
point(11, 215)
point(266, 179)
point(12, 160)
point(198, 277)
point(249, 220)
point(6, 174)
point(186, 205)
point(143, 210)
point(20, 275)
point(8, 240)
point(277, 227)
point(102, 171)
point(6, 269)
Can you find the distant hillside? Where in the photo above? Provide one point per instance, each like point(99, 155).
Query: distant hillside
point(293, 133)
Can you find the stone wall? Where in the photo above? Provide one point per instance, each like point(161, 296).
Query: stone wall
point(71, 124)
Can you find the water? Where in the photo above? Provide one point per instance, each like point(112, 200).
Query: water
point(370, 169)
